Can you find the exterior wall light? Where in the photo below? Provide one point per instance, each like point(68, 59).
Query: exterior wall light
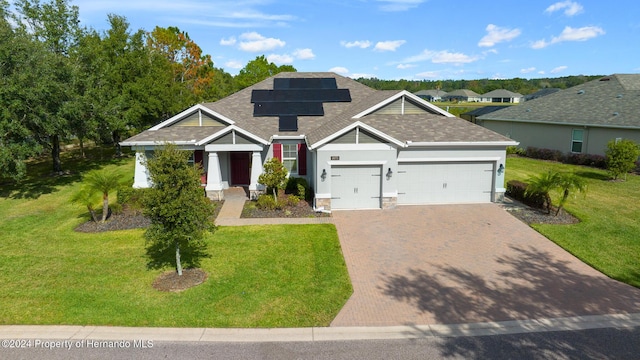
point(500, 169)
point(389, 173)
point(324, 174)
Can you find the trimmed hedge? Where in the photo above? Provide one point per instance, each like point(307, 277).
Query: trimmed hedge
point(597, 161)
point(516, 189)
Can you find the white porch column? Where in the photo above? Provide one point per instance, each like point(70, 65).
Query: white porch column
point(141, 175)
point(256, 170)
point(214, 178)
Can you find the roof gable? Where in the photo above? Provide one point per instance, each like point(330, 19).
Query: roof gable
point(402, 103)
point(196, 111)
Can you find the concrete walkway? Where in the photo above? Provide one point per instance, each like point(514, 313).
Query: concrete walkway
point(73, 333)
point(231, 212)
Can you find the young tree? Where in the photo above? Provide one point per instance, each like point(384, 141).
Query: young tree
point(180, 213)
point(86, 197)
point(274, 176)
point(568, 182)
point(621, 157)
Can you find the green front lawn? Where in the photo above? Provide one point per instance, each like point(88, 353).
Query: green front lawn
point(259, 276)
point(608, 236)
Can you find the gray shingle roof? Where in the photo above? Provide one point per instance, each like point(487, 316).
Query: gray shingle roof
point(611, 101)
point(338, 115)
point(463, 92)
point(502, 93)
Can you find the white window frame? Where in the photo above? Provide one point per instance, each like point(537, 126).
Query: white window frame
point(574, 141)
point(286, 158)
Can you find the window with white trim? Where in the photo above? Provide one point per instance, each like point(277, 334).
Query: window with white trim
point(290, 157)
point(576, 141)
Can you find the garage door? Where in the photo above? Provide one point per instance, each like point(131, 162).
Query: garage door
point(355, 187)
point(445, 183)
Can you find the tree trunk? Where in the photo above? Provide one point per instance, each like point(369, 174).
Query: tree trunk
point(105, 207)
point(93, 213)
point(116, 141)
point(81, 147)
point(178, 264)
point(275, 195)
point(55, 154)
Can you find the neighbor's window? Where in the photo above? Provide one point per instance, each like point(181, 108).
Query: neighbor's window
point(576, 141)
point(290, 157)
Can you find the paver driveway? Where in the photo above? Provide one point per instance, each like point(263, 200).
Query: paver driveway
point(450, 264)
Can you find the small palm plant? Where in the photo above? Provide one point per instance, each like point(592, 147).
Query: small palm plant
point(568, 182)
point(104, 182)
point(543, 184)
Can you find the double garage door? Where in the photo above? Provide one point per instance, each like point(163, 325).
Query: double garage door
point(360, 187)
point(445, 183)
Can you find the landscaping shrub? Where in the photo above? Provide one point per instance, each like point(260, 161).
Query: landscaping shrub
point(516, 189)
point(291, 200)
point(597, 161)
point(514, 150)
point(266, 202)
point(544, 154)
point(299, 187)
point(116, 208)
point(130, 197)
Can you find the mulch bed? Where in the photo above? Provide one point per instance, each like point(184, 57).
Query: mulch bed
point(302, 210)
point(531, 215)
point(170, 281)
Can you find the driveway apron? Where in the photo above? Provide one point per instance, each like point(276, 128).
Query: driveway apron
point(450, 264)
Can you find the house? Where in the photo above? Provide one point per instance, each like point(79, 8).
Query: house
point(463, 95)
point(581, 119)
point(358, 148)
point(473, 114)
point(502, 96)
point(431, 95)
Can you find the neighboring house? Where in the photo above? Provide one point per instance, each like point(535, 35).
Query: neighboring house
point(502, 96)
point(359, 148)
point(463, 95)
point(581, 119)
point(473, 114)
point(541, 93)
point(431, 95)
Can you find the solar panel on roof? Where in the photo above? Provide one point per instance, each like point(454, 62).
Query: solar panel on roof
point(297, 97)
point(288, 123)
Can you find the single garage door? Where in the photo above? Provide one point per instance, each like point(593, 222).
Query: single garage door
point(355, 187)
point(445, 183)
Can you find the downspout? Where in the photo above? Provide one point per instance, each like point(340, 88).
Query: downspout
point(321, 210)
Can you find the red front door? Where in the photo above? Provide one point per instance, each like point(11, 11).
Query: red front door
point(240, 168)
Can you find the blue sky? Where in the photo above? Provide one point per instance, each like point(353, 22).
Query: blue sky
point(401, 39)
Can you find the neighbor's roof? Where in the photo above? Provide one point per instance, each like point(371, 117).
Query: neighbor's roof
point(464, 93)
point(611, 101)
point(432, 93)
point(502, 93)
point(432, 126)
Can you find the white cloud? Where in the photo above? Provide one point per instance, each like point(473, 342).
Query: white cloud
point(571, 8)
point(445, 57)
point(527, 70)
point(339, 70)
point(280, 59)
point(570, 34)
point(254, 42)
point(405, 66)
point(362, 75)
point(399, 5)
point(496, 34)
point(232, 64)
point(304, 54)
point(428, 75)
point(228, 42)
point(558, 69)
point(362, 44)
point(391, 45)
point(541, 72)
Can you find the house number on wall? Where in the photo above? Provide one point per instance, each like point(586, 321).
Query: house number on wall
point(335, 158)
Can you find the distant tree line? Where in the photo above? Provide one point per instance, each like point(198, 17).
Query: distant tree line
point(481, 86)
point(61, 81)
